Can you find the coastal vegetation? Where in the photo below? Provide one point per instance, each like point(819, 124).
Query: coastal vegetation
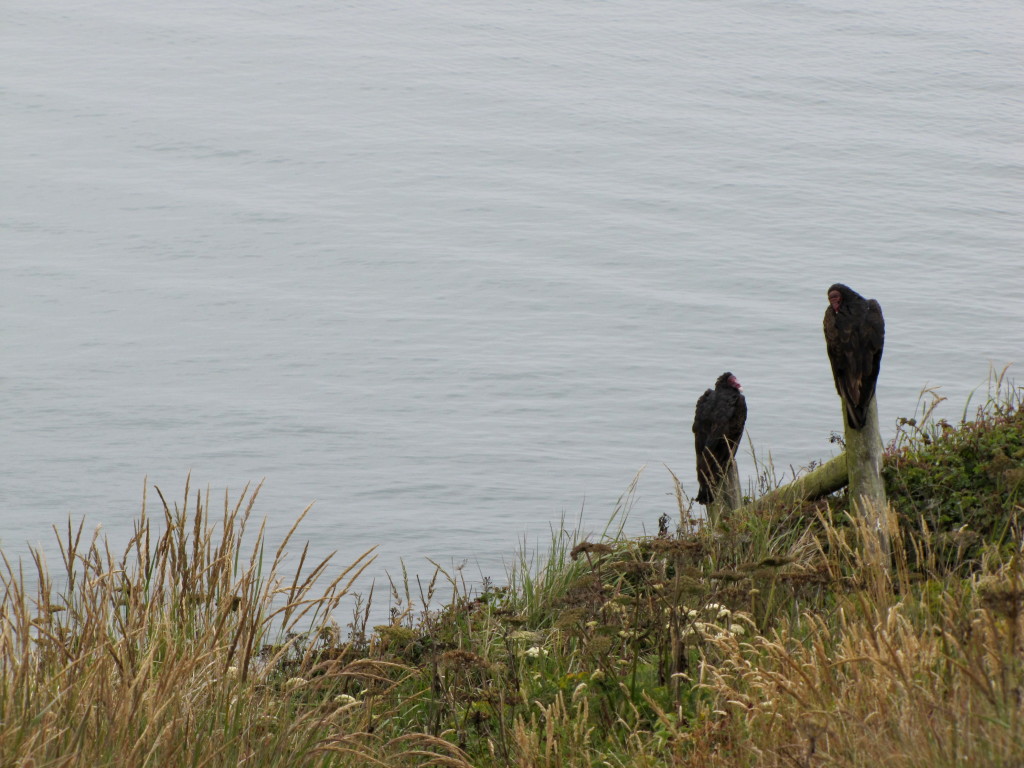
point(768, 639)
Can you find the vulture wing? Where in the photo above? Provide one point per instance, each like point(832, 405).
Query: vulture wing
point(703, 435)
point(734, 427)
point(718, 428)
point(854, 338)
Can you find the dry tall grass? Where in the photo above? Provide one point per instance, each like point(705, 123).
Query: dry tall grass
point(927, 679)
point(783, 636)
point(170, 653)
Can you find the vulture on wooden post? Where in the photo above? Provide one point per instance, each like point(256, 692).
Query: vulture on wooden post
point(717, 428)
point(854, 335)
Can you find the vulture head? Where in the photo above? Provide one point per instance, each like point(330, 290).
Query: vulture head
point(728, 380)
point(838, 295)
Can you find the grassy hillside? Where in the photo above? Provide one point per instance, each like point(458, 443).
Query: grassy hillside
point(766, 641)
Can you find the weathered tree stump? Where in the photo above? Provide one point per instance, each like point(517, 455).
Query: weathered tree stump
point(860, 468)
point(864, 453)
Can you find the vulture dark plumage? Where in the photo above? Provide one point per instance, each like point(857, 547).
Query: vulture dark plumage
point(854, 335)
point(717, 429)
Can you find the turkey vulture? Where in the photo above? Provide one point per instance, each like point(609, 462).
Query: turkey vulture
point(854, 334)
point(717, 428)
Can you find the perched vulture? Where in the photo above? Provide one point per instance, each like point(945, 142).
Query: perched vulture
point(717, 428)
point(854, 334)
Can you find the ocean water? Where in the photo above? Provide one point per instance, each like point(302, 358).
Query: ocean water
point(457, 271)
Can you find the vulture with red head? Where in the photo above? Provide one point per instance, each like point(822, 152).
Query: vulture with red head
point(717, 429)
point(854, 335)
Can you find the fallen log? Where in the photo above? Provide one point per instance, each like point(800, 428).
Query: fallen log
point(819, 482)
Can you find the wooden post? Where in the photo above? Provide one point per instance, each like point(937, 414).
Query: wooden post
point(728, 493)
point(866, 488)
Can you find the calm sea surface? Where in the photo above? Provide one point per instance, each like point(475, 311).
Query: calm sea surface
point(455, 270)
